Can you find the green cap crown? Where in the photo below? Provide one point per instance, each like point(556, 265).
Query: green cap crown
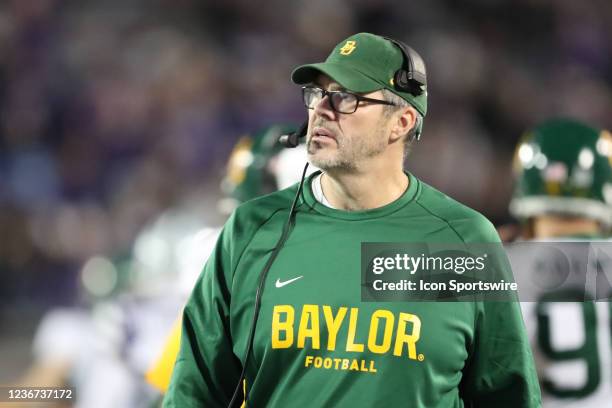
point(564, 167)
point(362, 63)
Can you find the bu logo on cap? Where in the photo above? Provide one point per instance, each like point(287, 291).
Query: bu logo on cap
point(348, 47)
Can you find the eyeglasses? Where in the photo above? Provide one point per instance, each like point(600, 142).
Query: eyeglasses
point(340, 101)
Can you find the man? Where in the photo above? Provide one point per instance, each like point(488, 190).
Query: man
point(315, 342)
point(564, 195)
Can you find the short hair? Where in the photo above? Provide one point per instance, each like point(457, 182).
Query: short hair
point(400, 103)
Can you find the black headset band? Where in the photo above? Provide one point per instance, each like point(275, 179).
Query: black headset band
point(413, 69)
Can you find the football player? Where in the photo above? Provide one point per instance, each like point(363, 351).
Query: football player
point(257, 165)
point(105, 350)
point(564, 193)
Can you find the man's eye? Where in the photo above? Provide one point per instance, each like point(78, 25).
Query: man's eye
point(346, 97)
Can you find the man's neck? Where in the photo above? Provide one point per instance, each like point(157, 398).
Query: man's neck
point(357, 191)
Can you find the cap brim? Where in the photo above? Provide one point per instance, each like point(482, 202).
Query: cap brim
point(349, 78)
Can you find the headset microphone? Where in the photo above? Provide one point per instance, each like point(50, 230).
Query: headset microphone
point(293, 139)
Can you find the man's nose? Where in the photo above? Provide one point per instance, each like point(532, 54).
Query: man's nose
point(324, 108)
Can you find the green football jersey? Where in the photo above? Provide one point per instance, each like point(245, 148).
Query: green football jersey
point(317, 344)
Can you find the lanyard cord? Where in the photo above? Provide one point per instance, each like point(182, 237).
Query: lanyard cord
point(260, 289)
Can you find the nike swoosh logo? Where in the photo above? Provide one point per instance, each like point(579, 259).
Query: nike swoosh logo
point(280, 284)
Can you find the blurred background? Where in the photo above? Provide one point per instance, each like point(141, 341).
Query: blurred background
point(114, 112)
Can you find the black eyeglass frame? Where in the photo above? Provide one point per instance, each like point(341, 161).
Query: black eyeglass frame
point(358, 97)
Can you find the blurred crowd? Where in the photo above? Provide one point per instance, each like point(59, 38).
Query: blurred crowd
point(113, 111)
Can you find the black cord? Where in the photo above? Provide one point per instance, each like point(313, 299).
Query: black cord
point(260, 288)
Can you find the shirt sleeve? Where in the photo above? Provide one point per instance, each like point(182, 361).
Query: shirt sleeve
point(500, 371)
point(206, 370)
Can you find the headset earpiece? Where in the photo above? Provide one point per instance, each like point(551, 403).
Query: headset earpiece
point(412, 77)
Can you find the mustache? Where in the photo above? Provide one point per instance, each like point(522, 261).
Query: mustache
point(324, 124)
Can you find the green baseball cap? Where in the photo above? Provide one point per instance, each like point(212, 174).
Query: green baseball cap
point(362, 63)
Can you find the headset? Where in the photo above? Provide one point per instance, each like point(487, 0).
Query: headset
point(410, 78)
point(293, 139)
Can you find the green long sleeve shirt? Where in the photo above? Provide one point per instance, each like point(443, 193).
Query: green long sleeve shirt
point(317, 344)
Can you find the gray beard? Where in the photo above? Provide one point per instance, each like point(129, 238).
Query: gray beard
point(344, 159)
point(338, 162)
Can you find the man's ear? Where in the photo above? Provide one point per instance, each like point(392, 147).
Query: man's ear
point(403, 121)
